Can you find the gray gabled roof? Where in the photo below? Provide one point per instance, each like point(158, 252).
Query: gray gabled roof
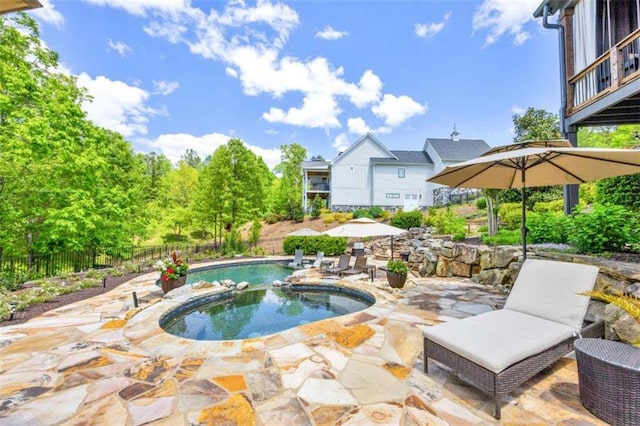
point(404, 157)
point(318, 165)
point(460, 150)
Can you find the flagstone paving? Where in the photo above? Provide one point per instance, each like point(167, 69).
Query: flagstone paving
point(103, 362)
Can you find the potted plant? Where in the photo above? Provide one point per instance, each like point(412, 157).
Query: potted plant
point(173, 272)
point(396, 273)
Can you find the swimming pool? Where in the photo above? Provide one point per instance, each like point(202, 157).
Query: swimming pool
point(261, 311)
point(252, 272)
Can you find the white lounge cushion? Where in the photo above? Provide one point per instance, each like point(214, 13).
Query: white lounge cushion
point(498, 339)
point(549, 289)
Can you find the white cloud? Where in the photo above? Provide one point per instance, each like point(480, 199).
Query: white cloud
point(165, 88)
point(357, 125)
point(231, 72)
point(395, 110)
point(431, 29)
point(328, 33)
point(341, 142)
point(518, 110)
point(248, 40)
point(49, 14)
point(174, 146)
point(141, 7)
point(502, 17)
point(116, 105)
point(318, 110)
point(119, 46)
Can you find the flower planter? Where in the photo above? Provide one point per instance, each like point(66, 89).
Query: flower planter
point(396, 280)
point(172, 283)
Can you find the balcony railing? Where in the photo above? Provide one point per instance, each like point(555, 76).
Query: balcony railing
point(318, 187)
point(609, 72)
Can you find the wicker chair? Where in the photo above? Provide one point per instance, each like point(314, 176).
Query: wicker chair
point(498, 351)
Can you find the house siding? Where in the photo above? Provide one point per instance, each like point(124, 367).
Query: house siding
point(386, 180)
point(352, 176)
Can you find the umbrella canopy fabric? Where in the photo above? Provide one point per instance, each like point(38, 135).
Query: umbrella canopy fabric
point(304, 232)
point(364, 227)
point(560, 143)
point(530, 167)
point(539, 166)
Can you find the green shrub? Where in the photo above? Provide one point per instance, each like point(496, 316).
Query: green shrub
point(511, 215)
point(483, 228)
point(406, 220)
point(233, 244)
point(547, 228)
point(397, 266)
point(375, 212)
point(362, 213)
point(331, 246)
point(459, 236)
point(316, 206)
point(553, 207)
point(481, 203)
point(272, 218)
point(447, 222)
point(504, 237)
point(607, 228)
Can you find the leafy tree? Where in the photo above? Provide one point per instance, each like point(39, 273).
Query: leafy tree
point(192, 158)
point(68, 184)
point(316, 206)
point(289, 190)
point(157, 165)
point(536, 124)
point(232, 187)
point(255, 231)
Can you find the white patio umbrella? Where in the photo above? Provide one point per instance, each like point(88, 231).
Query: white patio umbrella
point(364, 227)
point(304, 232)
point(539, 166)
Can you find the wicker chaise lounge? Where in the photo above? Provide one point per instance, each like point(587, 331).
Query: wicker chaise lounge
point(498, 351)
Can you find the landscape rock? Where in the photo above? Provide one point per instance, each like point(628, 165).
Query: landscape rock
point(242, 285)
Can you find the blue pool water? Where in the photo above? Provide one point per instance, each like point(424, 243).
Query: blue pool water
point(264, 273)
point(262, 311)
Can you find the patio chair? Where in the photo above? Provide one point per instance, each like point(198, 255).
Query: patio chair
point(297, 259)
point(358, 267)
point(497, 351)
point(316, 263)
point(343, 265)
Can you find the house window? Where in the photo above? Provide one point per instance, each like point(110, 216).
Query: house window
point(401, 172)
point(393, 195)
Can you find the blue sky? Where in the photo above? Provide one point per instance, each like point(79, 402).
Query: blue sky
point(176, 74)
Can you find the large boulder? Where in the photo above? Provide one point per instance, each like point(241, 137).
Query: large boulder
point(466, 253)
point(610, 285)
point(443, 268)
point(497, 257)
point(460, 269)
point(621, 324)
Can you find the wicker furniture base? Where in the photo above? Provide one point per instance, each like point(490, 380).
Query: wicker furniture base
point(500, 384)
point(609, 377)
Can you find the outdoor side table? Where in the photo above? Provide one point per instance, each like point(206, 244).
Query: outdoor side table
point(609, 378)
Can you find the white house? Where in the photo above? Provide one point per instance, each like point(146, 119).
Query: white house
point(368, 174)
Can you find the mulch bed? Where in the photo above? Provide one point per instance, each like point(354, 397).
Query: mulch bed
point(38, 309)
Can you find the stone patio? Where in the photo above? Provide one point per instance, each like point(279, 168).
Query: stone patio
point(101, 361)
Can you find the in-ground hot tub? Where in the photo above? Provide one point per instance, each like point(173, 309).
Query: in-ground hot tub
point(261, 311)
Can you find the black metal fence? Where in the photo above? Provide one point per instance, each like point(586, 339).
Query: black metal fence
point(444, 195)
point(53, 264)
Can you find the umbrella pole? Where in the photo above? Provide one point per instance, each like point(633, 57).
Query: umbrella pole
point(392, 247)
point(524, 220)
